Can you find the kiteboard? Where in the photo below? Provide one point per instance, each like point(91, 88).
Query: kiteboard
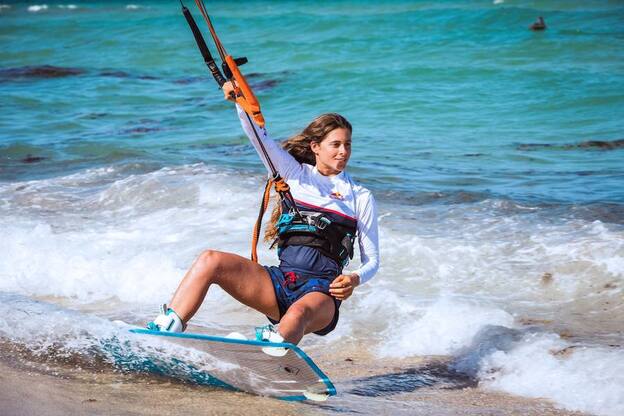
point(293, 376)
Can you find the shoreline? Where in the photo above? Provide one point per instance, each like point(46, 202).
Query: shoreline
point(35, 388)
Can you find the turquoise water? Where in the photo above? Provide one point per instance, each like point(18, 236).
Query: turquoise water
point(495, 153)
point(447, 98)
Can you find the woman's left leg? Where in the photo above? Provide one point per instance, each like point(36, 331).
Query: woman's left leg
point(313, 312)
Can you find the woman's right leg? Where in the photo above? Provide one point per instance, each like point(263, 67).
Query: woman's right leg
point(246, 281)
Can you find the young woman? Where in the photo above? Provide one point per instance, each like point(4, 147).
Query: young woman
point(304, 292)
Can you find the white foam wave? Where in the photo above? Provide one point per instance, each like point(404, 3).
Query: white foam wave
point(587, 379)
point(512, 259)
point(524, 362)
point(131, 238)
point(37, 8)
point(110, 232)
point(133, 7)
point(52, 332)
point(445, 327)
point(4, 7)
point(67, 6)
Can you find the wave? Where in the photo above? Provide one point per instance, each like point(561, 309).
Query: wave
point(95, 227)
point(544, 365)
point(37, 8)
point(487, 345)
point(41, 332)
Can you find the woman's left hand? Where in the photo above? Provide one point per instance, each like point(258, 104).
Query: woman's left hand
point(228, 91)
point(342, 286)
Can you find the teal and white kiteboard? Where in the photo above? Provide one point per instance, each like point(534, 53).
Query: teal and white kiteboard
point(243, 365)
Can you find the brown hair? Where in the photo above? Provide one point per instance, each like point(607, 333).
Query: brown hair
point(299, 147)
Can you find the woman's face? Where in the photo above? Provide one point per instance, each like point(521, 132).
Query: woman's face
point(333, 152)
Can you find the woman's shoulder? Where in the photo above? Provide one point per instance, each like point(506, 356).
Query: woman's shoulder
point(360, 191)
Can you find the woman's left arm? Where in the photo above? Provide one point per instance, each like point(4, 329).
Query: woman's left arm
point(280, 159)
point(368, 238)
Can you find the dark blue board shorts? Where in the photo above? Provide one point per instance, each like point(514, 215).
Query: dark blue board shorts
point(290, 287)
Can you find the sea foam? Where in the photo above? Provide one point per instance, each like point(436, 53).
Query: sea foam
point(486, 343)
point(582, 378)
point(37, 8)
point(445, 327)
point(50, 333)
point(137, 236)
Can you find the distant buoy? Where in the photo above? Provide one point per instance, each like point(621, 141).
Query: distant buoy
point(538, 24)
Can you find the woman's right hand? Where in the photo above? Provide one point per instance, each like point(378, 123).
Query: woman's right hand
point(342, 287)
point(228, 91)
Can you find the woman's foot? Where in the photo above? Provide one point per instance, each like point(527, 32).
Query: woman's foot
point(268, 333)
point(167, 321)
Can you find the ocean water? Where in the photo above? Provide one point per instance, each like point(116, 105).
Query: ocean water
point(496, 155)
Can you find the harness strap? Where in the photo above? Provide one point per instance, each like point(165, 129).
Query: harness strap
point(283, 189)
point(256, 231)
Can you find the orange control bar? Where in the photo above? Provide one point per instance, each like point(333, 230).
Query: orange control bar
point(244, 94)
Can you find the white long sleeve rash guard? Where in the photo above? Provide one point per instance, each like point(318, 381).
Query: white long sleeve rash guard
point(338, 194)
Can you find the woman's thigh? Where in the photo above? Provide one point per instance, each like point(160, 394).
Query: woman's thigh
point(319, 309)
point(247, 282)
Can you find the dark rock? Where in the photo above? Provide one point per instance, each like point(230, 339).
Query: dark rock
point(32, 159)
point(40, 71)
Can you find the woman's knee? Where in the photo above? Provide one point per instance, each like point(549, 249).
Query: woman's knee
point(209, 261)
point(300, 313)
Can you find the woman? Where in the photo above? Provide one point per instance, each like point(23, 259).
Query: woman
point(304, 293)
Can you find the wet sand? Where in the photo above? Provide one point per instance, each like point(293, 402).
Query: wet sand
point(82, 393)
point(445, 393)
point(35, 388)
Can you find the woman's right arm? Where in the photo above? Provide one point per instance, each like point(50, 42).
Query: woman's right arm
point(286, 165)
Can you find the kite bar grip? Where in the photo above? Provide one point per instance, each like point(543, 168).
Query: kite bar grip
point(248, 101)
point(201, 43)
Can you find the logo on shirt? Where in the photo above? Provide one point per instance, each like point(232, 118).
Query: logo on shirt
point(336, 195)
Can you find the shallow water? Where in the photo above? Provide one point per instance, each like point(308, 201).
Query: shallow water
point(495, 154)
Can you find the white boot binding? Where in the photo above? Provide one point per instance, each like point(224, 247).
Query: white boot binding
point(268, 333)
point(167, 321)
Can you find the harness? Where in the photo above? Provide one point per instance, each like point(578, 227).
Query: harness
point(333, 237)
point(315, 229)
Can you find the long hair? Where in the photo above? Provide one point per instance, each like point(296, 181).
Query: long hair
point(299, 146)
